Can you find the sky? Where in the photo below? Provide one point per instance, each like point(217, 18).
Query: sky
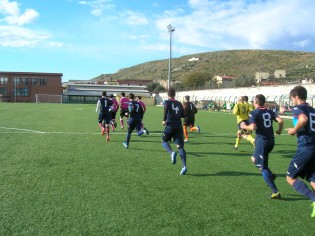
point(86, 38)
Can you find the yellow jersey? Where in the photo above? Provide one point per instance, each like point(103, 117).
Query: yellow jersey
point(241, 110)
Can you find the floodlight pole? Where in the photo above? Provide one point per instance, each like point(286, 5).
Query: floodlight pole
point(171, 29)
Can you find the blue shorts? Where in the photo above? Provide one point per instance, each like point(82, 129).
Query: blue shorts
point(175, 132)
point(106, 117)
point(303, 163)
point(261, 153)
point(134, 124)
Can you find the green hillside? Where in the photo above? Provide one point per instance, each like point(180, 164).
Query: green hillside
point(232, 62)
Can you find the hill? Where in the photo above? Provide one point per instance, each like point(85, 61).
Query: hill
point(231, 62)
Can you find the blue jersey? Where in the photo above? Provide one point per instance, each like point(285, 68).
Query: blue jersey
point(263, 119)
point(306, 133)
point(106, 104)
point(135, 110)
point(173, 112)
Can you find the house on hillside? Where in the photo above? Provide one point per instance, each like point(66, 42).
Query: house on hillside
point(261, 76)
point(224, 81)
point(279, 74)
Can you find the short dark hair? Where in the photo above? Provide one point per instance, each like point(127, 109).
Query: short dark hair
point(123, 94)
point(111, 95)
point(245, 98)
point(131, 96)
point(171, 92)
point(139, 97)
point(299, 91)
point(187, 97)
point(260, 99)
point(104, 93)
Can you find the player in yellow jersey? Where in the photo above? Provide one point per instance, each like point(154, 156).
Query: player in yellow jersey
point(241, 110)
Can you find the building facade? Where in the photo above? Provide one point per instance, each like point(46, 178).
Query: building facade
point(23, 86)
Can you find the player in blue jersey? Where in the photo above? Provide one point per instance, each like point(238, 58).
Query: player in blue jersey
point(303, 163)
point(173, 112)
point(260, 120)
point(134, 123)
point(105, 106)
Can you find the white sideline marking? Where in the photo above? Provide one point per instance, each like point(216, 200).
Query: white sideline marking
point(26, 130)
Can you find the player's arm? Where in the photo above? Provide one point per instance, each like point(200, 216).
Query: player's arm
point(235, 109)
point(302, 120)
point(98, 104)
point(251, 126)
point(280, 123)
point(164, 115)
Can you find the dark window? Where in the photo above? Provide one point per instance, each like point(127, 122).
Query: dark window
point(34, 81)
point(42, 82)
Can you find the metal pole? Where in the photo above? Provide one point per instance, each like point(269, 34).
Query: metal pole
point(169, 82)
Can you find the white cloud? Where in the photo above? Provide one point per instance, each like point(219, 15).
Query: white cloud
point(242, 24)
point(13, 33)
point(13, 15)
point(98, 7)
point(133, 18)
point(16, 36)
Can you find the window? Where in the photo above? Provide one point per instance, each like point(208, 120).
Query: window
point(34, 81)
point(3, 80)
point(16, 81)
point(3, 91)
point(42, 82)
point(21, 92)
point(24, 81)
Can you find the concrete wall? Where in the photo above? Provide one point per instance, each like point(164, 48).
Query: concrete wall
point(279, 94)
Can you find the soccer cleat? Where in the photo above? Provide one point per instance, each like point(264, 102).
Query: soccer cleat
point(275, 195)
point(198, 128)
point(103, 131)
point(173, 157)
point(183, 171)
point(146, 131)
point(313, 211)
point(235, 148)
point(186, 141)
point(107, 138)
point(125, 145)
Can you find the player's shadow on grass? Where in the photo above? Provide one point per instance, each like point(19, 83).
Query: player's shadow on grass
point(232, 174)
point(294, 197)
point(209, 154)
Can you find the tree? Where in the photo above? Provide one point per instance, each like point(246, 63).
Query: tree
point(155, 87)
point(195, 79)
point(244, 81)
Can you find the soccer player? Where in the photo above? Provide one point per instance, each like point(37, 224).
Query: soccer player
point(189, 117)
point(104, 105)
point(114, 111)
point(134, 122)
point(144, 108)
point(124, 101)
point(173, 112)
point(303, 162)
point(241, 110)
point(261, 120)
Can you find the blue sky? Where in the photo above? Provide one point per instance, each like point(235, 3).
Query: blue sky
point(85, 38)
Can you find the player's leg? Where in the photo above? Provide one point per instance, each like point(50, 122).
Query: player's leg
point(166, 138)
point(131, 127)
point(140, 131)
point(121, 118)
point(238, 139)
point(179, 140)
point(299, 166)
